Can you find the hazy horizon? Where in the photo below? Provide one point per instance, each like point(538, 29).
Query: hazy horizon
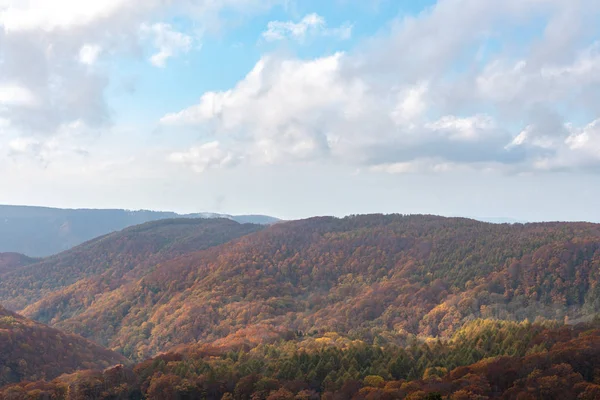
point(482, 218)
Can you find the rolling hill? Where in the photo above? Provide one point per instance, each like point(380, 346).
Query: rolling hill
point(364, 307)
point(32, 351)
point(108, 262)
point(42, 231)
point(12, 261)
point(377, 278)
point(483, 360)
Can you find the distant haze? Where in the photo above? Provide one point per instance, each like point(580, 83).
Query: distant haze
point(40, 231)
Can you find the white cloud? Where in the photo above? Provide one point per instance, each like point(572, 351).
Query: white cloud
point(39, 39)
point(411, 97)
point(396, 168)
point(24, 145)
point(311, 25)
point(586, 139)
point(410, 100)
point(427, 165)
point(314, 84)
point(16, 95)
point(468, 129)
point(564, 148)
point(38, 42)
point(203, 157)
point(18, 15)
point(68, 144)
point(88, 54)
point(283, 109)
point(524, 83)
point(411, 104)
point(169, 42)
point(581, 149)
point(534, 136)
point(292, 110)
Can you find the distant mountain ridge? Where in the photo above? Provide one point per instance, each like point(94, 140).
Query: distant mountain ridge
point(43, 231)
point(110, 261)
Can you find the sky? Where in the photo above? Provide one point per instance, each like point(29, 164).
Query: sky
point(297, 108)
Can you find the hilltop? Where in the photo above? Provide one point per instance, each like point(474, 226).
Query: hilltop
point(108, 262)
point(12, 261)
point(377, 278)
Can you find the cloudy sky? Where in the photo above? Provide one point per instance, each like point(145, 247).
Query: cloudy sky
point(294, 108)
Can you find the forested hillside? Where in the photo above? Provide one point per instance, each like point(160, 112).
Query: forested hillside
point(72, 279)
point(380, 279)
point(364, 307)
point(31, 351)
point(12, 261)
point(483, 360)
point(42, 231)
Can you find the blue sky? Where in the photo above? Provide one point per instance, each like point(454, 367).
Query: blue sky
point(296, 108)
point(225, 56)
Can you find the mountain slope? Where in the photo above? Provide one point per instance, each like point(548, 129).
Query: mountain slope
point(484, 360)
point(12, 261)
point(30, 351)
point(76, 276)
point(41, 231)
point(374, 277)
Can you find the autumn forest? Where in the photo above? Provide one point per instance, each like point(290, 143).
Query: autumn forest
point(363, 307)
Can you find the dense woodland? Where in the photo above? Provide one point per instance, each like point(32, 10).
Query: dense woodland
point(108, 262)
point(11, 261)
point(483, 360)
point(384, 278)
point(365, 307)
point(30, 351)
